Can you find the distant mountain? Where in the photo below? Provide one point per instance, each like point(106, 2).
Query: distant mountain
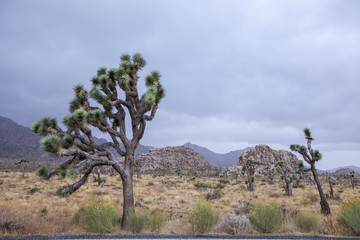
point(220, 160)
point(353, 168)
point(18, 142)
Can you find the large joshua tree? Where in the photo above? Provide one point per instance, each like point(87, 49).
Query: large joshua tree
point(311, 157)
point(115, 96)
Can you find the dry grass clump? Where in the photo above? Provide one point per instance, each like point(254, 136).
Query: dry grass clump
point(307, 221)
point(235, 224)
point(204, 217)
point(99, 216)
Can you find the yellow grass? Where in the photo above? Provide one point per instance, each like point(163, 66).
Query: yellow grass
point(43, 212)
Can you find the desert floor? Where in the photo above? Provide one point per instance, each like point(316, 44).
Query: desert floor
point(31, 205)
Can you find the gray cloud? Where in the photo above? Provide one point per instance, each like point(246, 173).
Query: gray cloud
point(237, 73)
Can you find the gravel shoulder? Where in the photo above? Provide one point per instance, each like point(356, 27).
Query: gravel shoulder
point(108, 236)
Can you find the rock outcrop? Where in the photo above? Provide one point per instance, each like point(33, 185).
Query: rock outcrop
point(343, 171)
point(264, 156)
point(173, 158)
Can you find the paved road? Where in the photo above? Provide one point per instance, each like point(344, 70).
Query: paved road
point(161, 237)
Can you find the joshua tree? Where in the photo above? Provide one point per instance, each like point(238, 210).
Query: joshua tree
point(137, 165)
point(352, 175)
point(116, 99)
point(22, 163)
point(282, 168)
point(249, 169)
point(270, 170)
point(311, 157)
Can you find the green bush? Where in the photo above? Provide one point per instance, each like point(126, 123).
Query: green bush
point(307, 221)
point(204, 217)
point(59, 192)
point(137, 221)
point(150, 183)
point(156, 220)
point(62, 174)
point(72, 174)
point(266, 217)
point(99, 216)
point(224, 181)
point(202, 185)
point(219, 186)
point(42, 172)
point(349, 215)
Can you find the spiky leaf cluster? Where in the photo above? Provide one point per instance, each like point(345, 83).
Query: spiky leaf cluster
point(41, 127)
point(54, 143)
point(94, 116)
point(76, 119)
point(155, 92)
point(23, 160)
point(307, 133)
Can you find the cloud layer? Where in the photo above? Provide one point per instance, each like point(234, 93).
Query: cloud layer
point(237, 73)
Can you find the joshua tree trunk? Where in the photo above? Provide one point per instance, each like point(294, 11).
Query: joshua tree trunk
point(99, 177)
point(288, 190)
point(325, 208)
point(250, 183)
point(331, 188)
point(23, 172)
point(128, 196)
point(352, 183)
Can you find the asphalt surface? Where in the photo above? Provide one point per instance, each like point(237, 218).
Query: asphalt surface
point(164, 237)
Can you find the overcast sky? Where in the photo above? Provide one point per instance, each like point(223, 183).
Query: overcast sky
point(236, 73)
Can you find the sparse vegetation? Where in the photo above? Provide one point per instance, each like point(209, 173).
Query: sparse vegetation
point(204, 217)
point(99, 216)
point(349, 215)
point(266, 217)
point(137, 221)
point(307, 221)
point(42, 172)
point(156, 220)
point(202, 185)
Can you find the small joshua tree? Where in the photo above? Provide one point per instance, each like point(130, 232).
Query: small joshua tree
point(311, 157)
point(115, 100)
point(249, 169)
point(352, 175)
point(270, 171)
point(22, 163)
point(282, 168)
point(331, 187)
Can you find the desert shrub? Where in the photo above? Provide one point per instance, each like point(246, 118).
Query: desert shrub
point(34, 190)
point(307, 221)
point(235, 224)
point(98, 216)
point(42, 172)
point(137, 221)
point(62, 174)
point(217, 193)
point(266, 217)
point(224, 181)
point(72, 174)
point(150, 183)
point(156, 220)
point(349, 215)
point(204, 217)
point(219, 186)
point(59, 192)
point(202, 185)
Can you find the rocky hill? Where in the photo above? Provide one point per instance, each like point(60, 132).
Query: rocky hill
point(17, 142)
point(219, 160)
point(343, 171)
point(265, 156)
point(174, 158)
